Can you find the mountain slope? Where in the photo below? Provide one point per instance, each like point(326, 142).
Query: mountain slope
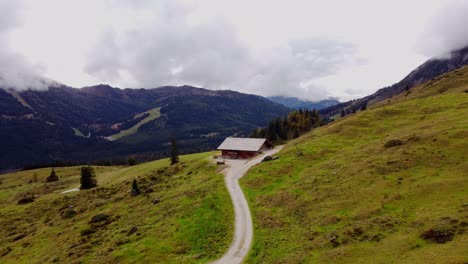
point(431, 69)
point(42, 126)
point(184, 215)
point(385, 185)
point(296, 103)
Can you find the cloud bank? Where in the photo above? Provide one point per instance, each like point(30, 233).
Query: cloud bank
point(15, 71)
point(305, 48)
point(447, 30)
point(172, 50)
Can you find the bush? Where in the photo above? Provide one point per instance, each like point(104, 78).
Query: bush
point(69, 213)
point(438, 235)
point(26, 200)
point(393, 143)
point(99, 218)
point(87, 231)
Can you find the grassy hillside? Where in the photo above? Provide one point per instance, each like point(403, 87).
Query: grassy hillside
point(153, 114)
point(385, 185)
point(190, 222)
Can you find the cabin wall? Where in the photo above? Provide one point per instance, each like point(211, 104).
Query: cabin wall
point(237, 154)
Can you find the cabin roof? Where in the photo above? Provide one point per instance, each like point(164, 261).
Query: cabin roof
point(245, 144)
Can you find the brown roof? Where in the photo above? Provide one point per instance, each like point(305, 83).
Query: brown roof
point(245, 144)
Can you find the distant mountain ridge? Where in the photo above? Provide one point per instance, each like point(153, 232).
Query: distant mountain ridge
point(430, 69)
point(296, 103)
point(45, 126)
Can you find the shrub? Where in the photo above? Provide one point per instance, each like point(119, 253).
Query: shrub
point(26, 200)
point(87, 231)
point(393, 143)
point(99, 218)
point(69, 213)
point(438, 235)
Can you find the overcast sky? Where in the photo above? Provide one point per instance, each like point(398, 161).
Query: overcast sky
point(308, 49)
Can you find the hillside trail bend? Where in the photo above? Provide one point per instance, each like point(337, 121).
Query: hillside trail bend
point(243, 230)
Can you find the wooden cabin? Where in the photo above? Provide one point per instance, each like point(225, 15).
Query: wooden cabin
point(243, 148)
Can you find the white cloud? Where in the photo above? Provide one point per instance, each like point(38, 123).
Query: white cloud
point(15, 71)
point(209, 53)
point(306, 48)
point(447, 30)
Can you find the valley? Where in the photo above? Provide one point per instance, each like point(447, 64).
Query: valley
point(66, 125)
point(385, 184)
point(103, 174)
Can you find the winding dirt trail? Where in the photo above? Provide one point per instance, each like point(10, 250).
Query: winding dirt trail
point(243, 220)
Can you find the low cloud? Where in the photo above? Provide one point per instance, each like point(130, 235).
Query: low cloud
point(170, 50)
point(15, 71)
point(447, 30)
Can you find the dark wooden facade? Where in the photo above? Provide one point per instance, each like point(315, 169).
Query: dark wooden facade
point(239, 154)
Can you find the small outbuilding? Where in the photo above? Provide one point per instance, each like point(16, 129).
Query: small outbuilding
point(243, 148)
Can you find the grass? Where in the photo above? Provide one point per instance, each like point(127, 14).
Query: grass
point(349, 199)
point(153, 114)
point(191, 222)
point(78, 132)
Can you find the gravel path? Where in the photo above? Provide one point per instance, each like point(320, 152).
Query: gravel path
point(243, 220)
point(71, 190)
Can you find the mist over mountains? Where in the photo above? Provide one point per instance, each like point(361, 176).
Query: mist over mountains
point(429, 70)
point(296, 103)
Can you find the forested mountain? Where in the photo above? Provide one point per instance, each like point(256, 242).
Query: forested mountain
point(68, 124)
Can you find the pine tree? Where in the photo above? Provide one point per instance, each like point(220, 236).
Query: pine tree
point(174, 152)
point(353, 109)
point(342, 113)
point(295, 133)
point(52, 177)
point(88, 178)
point(135, 188)
point(364, 106)
point(131, 161)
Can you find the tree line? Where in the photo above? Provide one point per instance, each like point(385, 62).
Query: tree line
point(290, 126)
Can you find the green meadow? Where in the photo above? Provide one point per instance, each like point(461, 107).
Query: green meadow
point(384, 185)
point(184, 215)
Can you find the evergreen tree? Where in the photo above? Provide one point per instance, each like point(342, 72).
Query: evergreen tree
point(255, 133)
point(174, 152)
point(316, 117)
point(290, 126)
point(364, 106)
point(296, 133)
point(88, 178)
point(271, 131)
point(342, 113)
point(353, 109)
point(52, 177)
point(135, 188)
point(131, 161)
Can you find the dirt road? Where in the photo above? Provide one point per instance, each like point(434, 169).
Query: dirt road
point(243, 220)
